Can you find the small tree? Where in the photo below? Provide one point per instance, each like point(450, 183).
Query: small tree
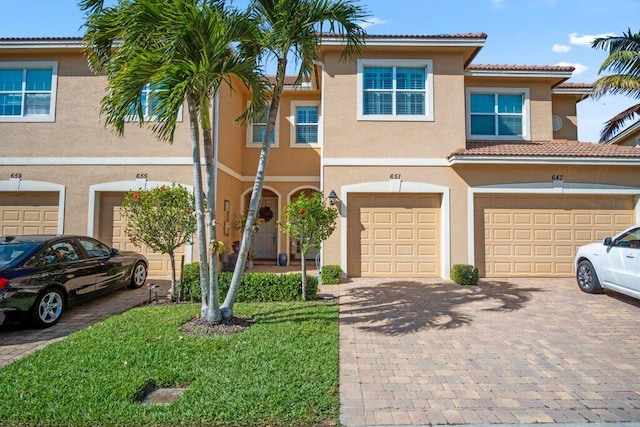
point(309, 221)
point(161, 218)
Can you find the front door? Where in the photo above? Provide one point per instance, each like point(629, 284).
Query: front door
point(264, 241)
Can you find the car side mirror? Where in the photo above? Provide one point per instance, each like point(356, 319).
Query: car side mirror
point(607, 241)
point(114, 252)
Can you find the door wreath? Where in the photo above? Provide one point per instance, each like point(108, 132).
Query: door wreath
point(265, 213)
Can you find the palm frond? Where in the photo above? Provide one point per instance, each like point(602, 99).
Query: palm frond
point(616, 123)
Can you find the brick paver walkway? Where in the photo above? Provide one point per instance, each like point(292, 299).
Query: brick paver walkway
point(17, 341)
point(417, 352)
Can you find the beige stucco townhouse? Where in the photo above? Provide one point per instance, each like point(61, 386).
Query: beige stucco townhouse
point(434, 160)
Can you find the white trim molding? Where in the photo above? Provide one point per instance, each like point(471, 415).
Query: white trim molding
point(394, 186)
point(544, 188)
point(383, 161)
point(18, 185)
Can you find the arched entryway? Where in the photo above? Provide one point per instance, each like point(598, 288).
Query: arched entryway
point(265, 240)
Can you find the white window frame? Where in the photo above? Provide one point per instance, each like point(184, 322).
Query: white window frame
point(249, 135)
point(293, 124)
point(149, 118)
point(526, 112)
point(397, 63)
point(31, 65)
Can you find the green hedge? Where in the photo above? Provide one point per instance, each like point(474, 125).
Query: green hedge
point(254, 287)
point(464, 274)
point(331, 274)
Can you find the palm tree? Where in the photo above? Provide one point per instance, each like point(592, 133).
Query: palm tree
point(291, 27)
point(185, 49)
point(624, 62)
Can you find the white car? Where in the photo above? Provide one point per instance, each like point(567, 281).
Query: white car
point(613, 264)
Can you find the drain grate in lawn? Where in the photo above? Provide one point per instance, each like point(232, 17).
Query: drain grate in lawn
point(154, 395)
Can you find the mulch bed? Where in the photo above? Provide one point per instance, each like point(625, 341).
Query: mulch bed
point(201, 328)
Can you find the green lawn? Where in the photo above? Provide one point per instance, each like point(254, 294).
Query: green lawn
point(283, 370)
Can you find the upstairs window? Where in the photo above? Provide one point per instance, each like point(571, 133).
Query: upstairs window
point(498, 113)
point(150, 102)
point(257, 129)
point(305, 123)
point(395, 90)
point(27, 91)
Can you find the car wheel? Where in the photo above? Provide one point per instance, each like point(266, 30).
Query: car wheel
point(587, 278)
point(139, 275)
point(48, 308)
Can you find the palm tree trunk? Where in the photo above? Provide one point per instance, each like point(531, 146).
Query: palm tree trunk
point(197, 188)
point(213, 312)
point(256, 195)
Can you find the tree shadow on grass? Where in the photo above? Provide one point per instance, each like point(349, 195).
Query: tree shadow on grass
point(400, 307)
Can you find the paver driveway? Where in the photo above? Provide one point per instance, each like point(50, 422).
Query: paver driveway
point(507, 351)
point(17, 341)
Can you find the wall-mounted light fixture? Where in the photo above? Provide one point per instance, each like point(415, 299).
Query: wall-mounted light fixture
point(333, 198)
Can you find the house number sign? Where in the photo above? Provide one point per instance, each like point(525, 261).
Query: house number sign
point(395, 176)
point(557, 177)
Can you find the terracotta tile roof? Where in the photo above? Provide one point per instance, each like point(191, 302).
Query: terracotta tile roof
point(555, 148)
point(38, 39)
point(570, 85)
point(511, 67)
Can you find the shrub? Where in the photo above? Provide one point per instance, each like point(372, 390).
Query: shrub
point(254, 287)
point(331, 274)
point(464, 274)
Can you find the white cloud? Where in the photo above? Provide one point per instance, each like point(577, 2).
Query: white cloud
point(579, 68)
point(374, 20)
point(586, 39)
point(560, 48)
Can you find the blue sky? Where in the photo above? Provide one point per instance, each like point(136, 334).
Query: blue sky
point(523, 32)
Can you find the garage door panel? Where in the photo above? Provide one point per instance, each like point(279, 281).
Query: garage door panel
point(29, 213)
point(399, 240)
point(159, 264)
point(558, 226)
point(521, 219)
point(405, 250)
point(427, 251)
point(405, 234)
point(382, 250)
point(382, 218)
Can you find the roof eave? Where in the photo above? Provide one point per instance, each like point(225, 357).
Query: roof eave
point(555, 160)
point(563, 75)
point(623, 134)
point(411, 41)
point(41, 44)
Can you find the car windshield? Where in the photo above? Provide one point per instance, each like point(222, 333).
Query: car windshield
point(13, 253)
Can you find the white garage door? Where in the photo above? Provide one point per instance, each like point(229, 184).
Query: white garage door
point(28, 213)
point(393, 235)
point(534, 235)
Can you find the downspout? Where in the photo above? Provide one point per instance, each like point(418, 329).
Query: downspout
point(321, 137)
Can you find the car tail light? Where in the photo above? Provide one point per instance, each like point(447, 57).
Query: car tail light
point(3, 282)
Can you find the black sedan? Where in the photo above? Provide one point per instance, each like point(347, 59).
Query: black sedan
point(40, 276)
